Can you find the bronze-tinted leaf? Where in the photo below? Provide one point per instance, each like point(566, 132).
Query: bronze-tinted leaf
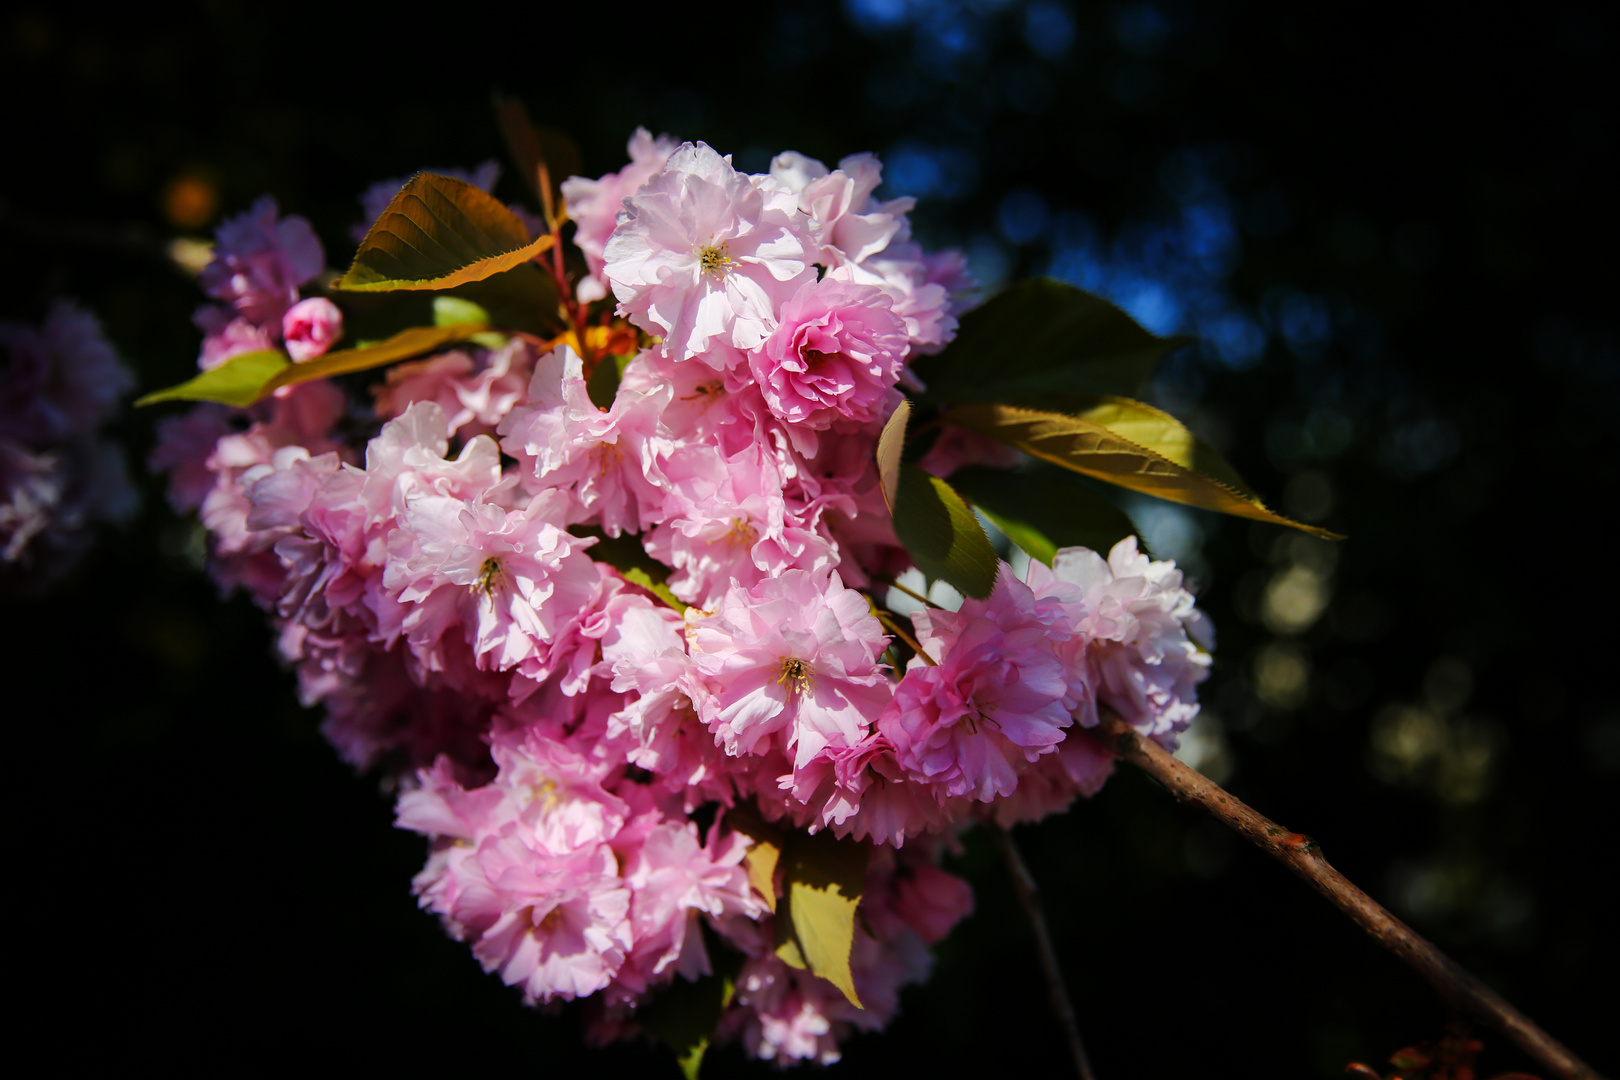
point(944, 538)
point(439, 233)
point(1101, 442)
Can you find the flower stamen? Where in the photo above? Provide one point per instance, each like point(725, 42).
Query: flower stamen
point(797, 675)
point(715, 259)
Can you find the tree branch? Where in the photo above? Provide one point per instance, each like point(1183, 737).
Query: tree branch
point(1459, 989)
point(1024, 884)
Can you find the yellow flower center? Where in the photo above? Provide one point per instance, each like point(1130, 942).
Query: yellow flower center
point(715, 258)
point(489, 577)
point(797, 675)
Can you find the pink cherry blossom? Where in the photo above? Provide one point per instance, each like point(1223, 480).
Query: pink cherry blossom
point(1149, 645)
point(594, 205)
point(609, 461)
point(476, 390)
point(992, 702)
point(700, 254)
point(836, 353)
point(795, 657)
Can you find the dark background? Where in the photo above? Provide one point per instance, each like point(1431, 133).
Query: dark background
point(1394, 229)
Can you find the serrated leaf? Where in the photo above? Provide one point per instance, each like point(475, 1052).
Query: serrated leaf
point(440, 233)
point(1043, 511)
point(1101, 442)
point(1042, 336)
point(822, 879)
point(889, 446)
point(944, 538)
point(240, 381)
point(402, 346)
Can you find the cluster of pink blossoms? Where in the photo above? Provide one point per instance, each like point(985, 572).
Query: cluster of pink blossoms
point(562, 730)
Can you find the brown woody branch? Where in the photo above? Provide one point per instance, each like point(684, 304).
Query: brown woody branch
point(1459, 989)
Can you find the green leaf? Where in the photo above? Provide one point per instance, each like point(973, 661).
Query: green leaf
point(240, 381)
point(1041, 336)
point(685, 1015)
point(944, 538)
point(439, 233)
point(1043, 511)
point(603, 385)
point(822, 879)
point(402, 346)
point(889, 446)
point(458, 310)
point(1130, 444)
point(626, 555)
point(247, 377)
point(521, 299)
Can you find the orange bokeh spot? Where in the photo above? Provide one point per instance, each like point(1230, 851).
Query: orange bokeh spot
point(190, 201)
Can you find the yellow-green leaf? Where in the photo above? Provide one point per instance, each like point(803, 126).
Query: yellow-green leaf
point(944, 538)
point(760, 863)
point(1043, 510)
point(764, 852)
point(889, 445)
point(1130, 444)
point(402, 346)
point(822, 879)
point(457, 311)
point(241, 380)
point(439, 233)
point(1042, 336)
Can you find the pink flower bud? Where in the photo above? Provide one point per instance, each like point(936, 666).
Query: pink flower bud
point(310, 327)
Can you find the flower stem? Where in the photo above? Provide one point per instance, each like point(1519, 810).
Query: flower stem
point(899, 632)
point(1456, 987)
point(1024, 885)
point(913, 593)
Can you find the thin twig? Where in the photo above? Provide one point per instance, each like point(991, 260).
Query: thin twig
point(1024, 884)
point(913, 593)
point(1459, 989)
point(899, 632)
